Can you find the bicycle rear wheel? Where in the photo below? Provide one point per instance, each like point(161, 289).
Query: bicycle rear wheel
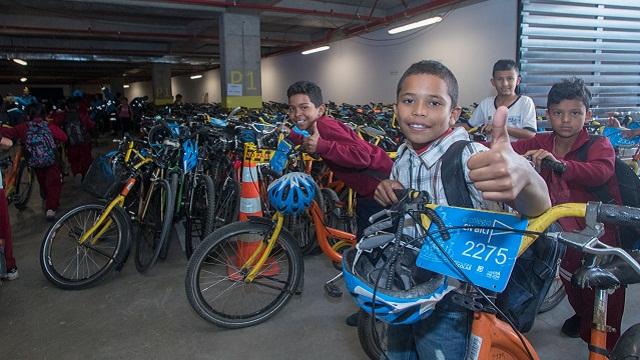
point(554, 296)
point(24, 185)
point(215, 283)
point(200, 213)
point(372, 336)
point(70, 265)
point(153, 225)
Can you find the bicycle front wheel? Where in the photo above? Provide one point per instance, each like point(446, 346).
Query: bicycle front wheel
point(154, 225)
point(70, 265)
point(215, 281)
point(372, 336)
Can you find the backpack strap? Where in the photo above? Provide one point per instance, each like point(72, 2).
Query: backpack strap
point(452, 172)
point(602, 191)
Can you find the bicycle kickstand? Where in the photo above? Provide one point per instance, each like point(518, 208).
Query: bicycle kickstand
point(330, 287)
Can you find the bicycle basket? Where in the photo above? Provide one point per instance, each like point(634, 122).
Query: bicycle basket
point(101, 180)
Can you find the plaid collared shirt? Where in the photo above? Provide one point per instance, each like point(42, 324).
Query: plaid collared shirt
point(422, 172)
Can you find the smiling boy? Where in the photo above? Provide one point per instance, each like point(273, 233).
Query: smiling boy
point(427, 107)
point(521, 119)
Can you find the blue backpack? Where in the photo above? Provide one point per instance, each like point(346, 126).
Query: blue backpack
point(40, 144)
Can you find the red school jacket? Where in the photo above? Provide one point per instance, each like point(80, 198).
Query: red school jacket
point(356, 162)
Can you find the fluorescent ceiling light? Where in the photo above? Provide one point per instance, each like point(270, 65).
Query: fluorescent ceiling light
point(20, 61)
point(125, 86)
point(196, 76)
point(321, 48)
point(415, 25)
point(23, 79)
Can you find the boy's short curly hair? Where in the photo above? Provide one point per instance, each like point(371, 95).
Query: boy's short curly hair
point(569, 89)
point(306, 88)
point(435, 68)
point(504, 65)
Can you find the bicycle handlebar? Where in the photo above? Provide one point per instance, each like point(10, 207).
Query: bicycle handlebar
point(619, 215)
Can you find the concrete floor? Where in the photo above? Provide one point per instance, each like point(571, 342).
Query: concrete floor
point(131, 316)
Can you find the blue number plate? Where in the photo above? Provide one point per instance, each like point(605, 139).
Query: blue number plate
point(486, 256)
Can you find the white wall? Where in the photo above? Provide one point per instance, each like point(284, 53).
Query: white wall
point(469, 40)
point(357, 70)
point(142, 88)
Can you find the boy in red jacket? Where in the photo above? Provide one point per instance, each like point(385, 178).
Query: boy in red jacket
point(49, 177)
point(568, 109)
point(359, 164)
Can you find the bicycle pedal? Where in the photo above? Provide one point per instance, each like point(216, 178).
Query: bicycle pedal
point(332, 290)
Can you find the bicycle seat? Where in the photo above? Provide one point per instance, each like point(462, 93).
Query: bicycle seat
point(609, 275)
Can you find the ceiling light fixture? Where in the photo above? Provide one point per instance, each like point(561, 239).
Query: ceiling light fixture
point(415, 25)
point(125, 86)
point(321, 48)
point(23, 79)
point(20, 61)
point(195, 76)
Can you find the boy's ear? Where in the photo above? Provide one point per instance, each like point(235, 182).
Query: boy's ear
point(455, 114)
point(322, 109)
point(518, 79)
point(588, 115)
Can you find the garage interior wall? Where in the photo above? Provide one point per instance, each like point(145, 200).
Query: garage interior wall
point(359, 70)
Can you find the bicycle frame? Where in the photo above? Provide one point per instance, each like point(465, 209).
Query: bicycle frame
point(262, 250)
point(100, 226)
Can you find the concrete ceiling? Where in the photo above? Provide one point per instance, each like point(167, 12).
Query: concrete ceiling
point(75, 41)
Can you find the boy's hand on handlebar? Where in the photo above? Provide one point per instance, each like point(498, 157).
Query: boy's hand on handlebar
point(500, 173)
point(385, 194)
point(537, 156)
point(310, 143)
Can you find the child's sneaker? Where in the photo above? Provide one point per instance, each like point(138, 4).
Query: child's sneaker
point(11, 275)
point(51, 215)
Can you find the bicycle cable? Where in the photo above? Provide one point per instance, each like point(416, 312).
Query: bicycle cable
point(466, 278)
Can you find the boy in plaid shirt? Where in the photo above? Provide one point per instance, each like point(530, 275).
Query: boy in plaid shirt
point(426, 107)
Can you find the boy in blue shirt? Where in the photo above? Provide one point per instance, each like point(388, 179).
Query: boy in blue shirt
point(426, 107)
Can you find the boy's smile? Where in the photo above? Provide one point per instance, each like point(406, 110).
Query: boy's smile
point(424, 109)
point(505, 82)
point(302, 112)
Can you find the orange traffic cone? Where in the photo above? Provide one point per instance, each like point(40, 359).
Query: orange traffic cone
point(250, 206)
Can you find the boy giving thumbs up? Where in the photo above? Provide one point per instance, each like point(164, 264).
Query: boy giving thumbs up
point(359, 164)
point(426, 107)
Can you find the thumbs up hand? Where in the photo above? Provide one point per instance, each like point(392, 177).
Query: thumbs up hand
point(500, 173)
point(310, 143)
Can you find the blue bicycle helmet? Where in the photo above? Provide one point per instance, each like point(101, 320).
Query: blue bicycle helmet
point(292, 193)
point(414, 291)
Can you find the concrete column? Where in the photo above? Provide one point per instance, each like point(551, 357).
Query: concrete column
point(161, 81)
point(240, 60)
point(116, 86)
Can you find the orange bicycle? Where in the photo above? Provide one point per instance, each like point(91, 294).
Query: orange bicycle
point(484, 258)
point(18, 177)
point(243, 273)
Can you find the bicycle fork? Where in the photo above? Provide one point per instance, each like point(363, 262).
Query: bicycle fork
point(260, 252)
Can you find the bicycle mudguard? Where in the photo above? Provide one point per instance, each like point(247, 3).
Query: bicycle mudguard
point(260, 220)
point(485, 250)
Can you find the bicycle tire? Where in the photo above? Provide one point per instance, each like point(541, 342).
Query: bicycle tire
point(227, 205)
point(218, 255)
point(554, 296)
point(153, 226)
point(23, 186)
point(200, 213)
point(371, 340)
point(109, 253)
point(174, 184)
